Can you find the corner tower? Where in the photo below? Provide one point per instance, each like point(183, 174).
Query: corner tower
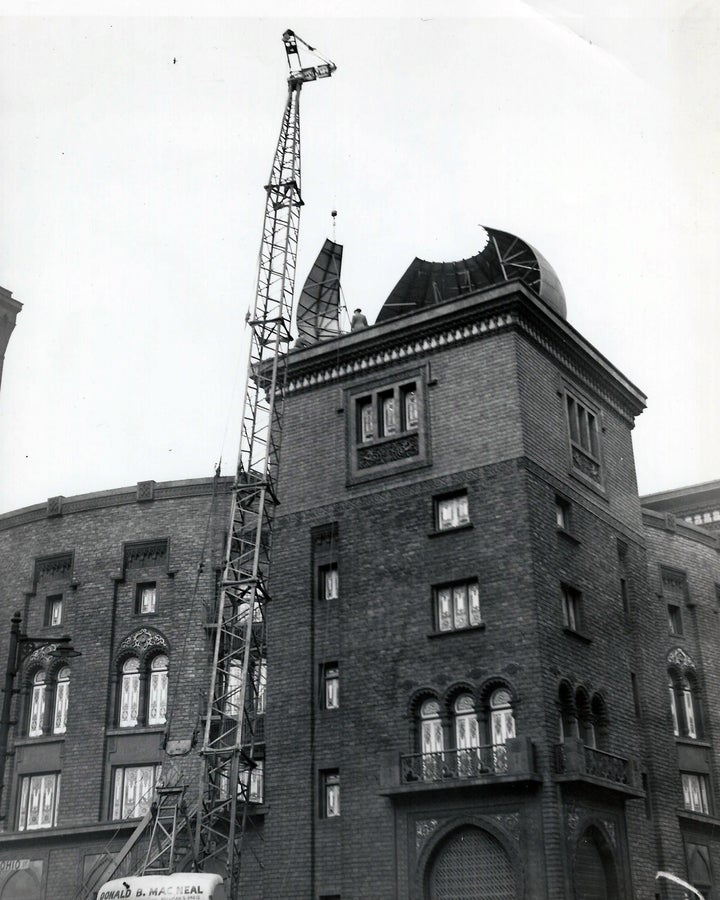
point(453, 665)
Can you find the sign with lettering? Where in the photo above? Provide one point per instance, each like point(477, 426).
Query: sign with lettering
point(12, 865)
point(187, 885)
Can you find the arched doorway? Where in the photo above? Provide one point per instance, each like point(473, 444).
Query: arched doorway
point(471, 864)
point(22, 885)
point(595, 876)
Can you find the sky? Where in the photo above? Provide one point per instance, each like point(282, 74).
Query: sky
point(136, 141)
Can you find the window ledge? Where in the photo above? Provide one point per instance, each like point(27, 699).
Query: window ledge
point(577, 635)
point(698, 818)
point(595, 486)
point(40, 739)
point(692, 742)
point(136, 729)
point(438, 531)
point(568, 536)
point(439, 634)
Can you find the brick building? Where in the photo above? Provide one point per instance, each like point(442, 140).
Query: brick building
point(490, 673)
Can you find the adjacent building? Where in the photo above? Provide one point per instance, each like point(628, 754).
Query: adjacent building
point(491, 672)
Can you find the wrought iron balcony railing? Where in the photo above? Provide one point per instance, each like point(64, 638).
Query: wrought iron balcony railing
point(572, 758)
point(453, 764)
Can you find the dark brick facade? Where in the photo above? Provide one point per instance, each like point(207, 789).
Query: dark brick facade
point(540, 813)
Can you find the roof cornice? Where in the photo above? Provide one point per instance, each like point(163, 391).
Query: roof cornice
point(471, 318)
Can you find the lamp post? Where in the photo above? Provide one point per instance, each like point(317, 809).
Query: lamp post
point(19, 648)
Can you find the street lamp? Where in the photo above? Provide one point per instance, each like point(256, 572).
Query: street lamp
point(20, 647)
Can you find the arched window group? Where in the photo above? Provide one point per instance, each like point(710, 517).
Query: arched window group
point(142, 692)
point(49, 701)
point(582, 716)
point(465, 734)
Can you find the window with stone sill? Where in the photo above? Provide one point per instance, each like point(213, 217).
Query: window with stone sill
point(457, 606)
point(255, 776)
point(328, 582)
point(39, 801)
point(133, 790)
point(584, 433)
point(387, 427)
point(571, 600)
point(330, 686)
point(143, 700)
point(451, 511)
point(330, 793)
point(54, 610)
point(695, 787)
point(146, 598)
point(55, 689)
point(675, 625)
point(563, 511)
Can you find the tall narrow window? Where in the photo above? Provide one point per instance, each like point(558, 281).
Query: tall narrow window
point(695, 792)
point(502, 726)
point(674, 619)
point(146, 598)
point(584, 438)
point(571, 608)
point(130, 693)
point(54, 610)
point(331, 686)
point(366, 430)
point(233, 689)
point(36, 725)
point(674, 709)
point(467, 735)
point(388, 414)
point(431, 740)
point(331, 793)
point(562, 513)
point(688, 708)
point(410, 408)
point(329, 582)
point(133, 790)
point(62, 698)
point(39, 797)
point(254, 777)
point(157, 705)
point(260, 676)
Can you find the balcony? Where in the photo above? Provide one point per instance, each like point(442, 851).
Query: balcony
point(576, 762)
point(493, 764)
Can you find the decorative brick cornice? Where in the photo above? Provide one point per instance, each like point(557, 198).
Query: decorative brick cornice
point(58, 567)
point(473, 318)
point(110, 499)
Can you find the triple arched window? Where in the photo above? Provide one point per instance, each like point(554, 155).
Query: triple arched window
point(466, 734)
point(582, 716)
point(49, 702)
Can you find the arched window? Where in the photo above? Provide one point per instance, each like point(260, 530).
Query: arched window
point(684, 704)
point(62, 699)
point(467, 736)
point(586, 722)
point(568, 713)
point(431, 740)
point(502, 726)
point(36, 725)
point(158, 694)
point(130, 693)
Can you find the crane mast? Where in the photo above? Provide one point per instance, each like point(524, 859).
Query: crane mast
point(177, 834)
point(237, 688)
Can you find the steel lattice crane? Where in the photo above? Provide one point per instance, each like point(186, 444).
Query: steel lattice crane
point(238, 672)
point(177, 833)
